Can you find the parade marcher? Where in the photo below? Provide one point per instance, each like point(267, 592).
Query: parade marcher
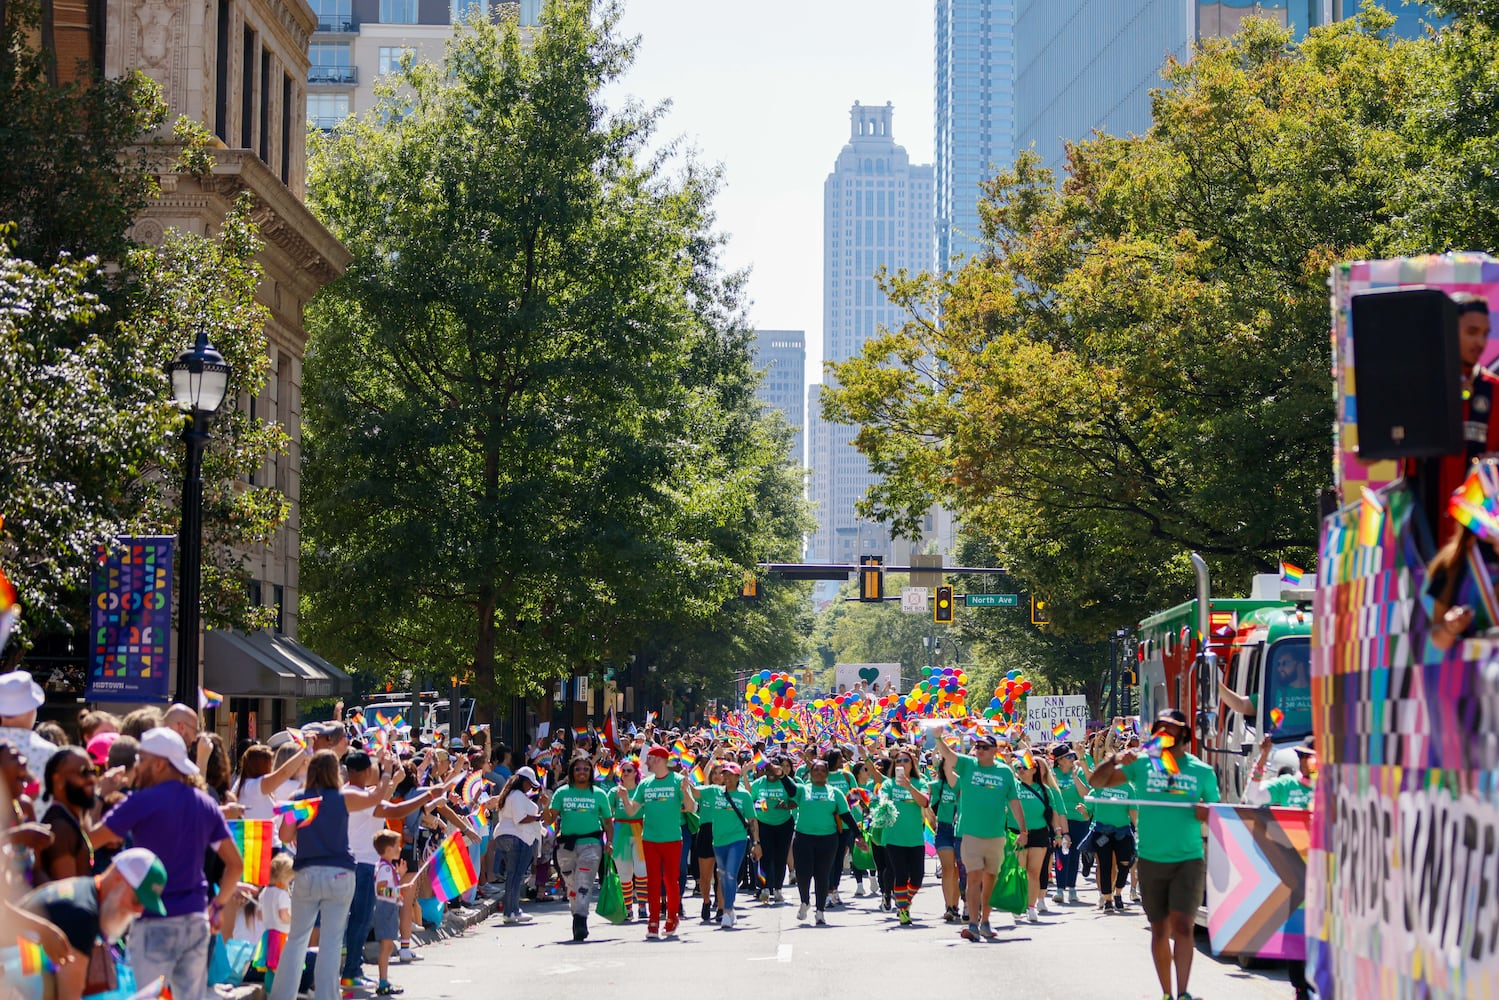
point(629, 852)
point(585, 828)
point(1072, 780)
point(1046, 822)
point(773, 813)
point(821, 812)
point(701, 842)
point(987, 787)
point(660, 801)
point(1173, 873)
point(840, 777)
point(734, 833)
point(944, 798)
point(905, 840)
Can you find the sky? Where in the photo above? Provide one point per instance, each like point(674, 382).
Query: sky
point(763, 89)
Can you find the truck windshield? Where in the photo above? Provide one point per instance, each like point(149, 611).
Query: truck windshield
point(1288, 686)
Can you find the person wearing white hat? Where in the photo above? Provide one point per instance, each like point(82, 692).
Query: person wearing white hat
point(178, 823)
point(20, 697)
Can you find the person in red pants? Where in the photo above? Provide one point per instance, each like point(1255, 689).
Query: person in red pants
point(660, 800)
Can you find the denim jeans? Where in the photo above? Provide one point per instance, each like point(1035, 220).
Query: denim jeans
point(361, 919)
point(515, 860)
point(729, 857)
point(580, 870)
point(1077, 829)
point(319, 892)
point(175, 947)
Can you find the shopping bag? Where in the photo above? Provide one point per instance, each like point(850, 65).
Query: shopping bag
point(861, 859)
point(611, 904)
point(228, 960)
point(1011, 890)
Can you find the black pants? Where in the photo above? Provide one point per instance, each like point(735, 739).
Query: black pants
point(775, 842)
point(907, 865)
point(835, 868)
point(882, 869)
point(1119, 853)
point(814, 864)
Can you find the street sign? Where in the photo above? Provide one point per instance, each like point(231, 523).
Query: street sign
point(913, 600)
point(991, 600)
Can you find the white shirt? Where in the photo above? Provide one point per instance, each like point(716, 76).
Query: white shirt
point(516, 808)
point(363, 825)
point(37, 750)
point(260, 805)
point(272, 901)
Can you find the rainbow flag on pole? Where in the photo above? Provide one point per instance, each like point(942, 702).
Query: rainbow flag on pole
point(299, 811)
point(1062, 731)
point(452, 869)
point(254, 838)
point(1291, 573)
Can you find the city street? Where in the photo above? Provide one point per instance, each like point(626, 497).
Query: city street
point(1077, 954)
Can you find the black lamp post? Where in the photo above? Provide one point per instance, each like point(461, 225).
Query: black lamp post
point(200, 379)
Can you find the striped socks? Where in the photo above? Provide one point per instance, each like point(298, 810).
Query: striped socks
point(903, 896)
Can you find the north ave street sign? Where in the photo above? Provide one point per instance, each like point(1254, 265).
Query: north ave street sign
point(991, 600)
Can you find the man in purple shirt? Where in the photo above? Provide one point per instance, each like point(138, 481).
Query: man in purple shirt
point(179, 824)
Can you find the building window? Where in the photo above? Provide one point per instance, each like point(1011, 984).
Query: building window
point(468, 10)
point(331, 62)
point(325, 111)
point(390, 58)
point(334, 15)
point(278, 598)
point(252, 593)
point(398, 11)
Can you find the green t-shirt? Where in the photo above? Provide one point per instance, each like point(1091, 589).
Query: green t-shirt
point(714, 808)
point(661, 808)
point(843, 779)
point(1289, 790)
point(1169, 835)
point(1034, 808)
point(581, 811)
point(816, 805)
point(768, 795)
point(987, 792)
point(1071, 797)
point(944, 800)
point(909, 829)
point(1110, 815)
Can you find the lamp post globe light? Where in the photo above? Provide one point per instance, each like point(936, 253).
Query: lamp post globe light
point(200, 380)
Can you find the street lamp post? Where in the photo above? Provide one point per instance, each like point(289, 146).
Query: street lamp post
point(200, 379)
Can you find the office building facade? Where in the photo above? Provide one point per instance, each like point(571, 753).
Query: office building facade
point(782, 356)
point(877, 212)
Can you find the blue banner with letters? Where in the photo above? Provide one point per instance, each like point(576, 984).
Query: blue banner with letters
point(130, 620)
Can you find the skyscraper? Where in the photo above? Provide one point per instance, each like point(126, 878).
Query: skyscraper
point(975, 77)
point(782, 355)
point(877, 212)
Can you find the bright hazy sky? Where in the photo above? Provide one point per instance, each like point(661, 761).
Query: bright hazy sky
point(763, 88)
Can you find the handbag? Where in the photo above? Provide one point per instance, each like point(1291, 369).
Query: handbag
point(611, 904)
point(102, 975)
point(1011, 889)
point(227, 960)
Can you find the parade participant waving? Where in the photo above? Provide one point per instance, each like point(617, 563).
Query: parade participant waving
point(773, 814)
point(629, 854)
point(821, 811)
point(905, 839)
point(1173, 875)
point(585, 826)
point(1041, 801)
point(988, 790)
point(1290, 790)
point(734, 833)
point(660, 801)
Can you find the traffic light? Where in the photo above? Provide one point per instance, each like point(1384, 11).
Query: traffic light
point(751, 588)
point(942, 607)
point(871, 578)
point(1040, 611)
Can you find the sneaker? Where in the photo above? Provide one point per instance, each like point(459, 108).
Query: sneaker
point(405, 954)
point(859, 890)
point(1041, 906)
point(834, 900)
point(629, 915)
point(707, 912)
point(1056, 897)
point(950, 915)
point(778, 897)
point(1134, 897)
point(356, 983)
point(718, 915)
point(580, 927)
point(1031, 916)
point(986, 931)
point(886, 903)
point(387, 990)
point(904, 916)
point(1072, 896)
point(671, 928)
point(1120, 904)
point(652, 933)
point(801, 912)
point(967, 919)
point(970, 933)
point(728, 920)
point(821, 921)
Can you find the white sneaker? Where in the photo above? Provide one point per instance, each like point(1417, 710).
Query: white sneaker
point(728, 918)
point(778, 897)
point(404, 955)
point(1041, 906)
point(1056, 897)
point(1030, 916)
point(1072, 896)
point(801, 912)
point(834, 899)
point(859, 891)
point(821, 920)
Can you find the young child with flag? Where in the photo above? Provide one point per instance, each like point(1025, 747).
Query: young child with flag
point(389, 885)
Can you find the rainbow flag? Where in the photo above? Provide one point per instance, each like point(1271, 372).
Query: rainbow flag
point(1276, 718)
point(34, 960)
point(299, 811)
point(452, 869)
point(254, 838)
point(1062, 731)
point(208, 699)
point(1026, 760)
point(268, 952)
point(1121, 728)
point(929, 838)
point(1168, 762)
point(1475, 504)
point(757, 761)
point(699, 776)
point(472, 786)
point(1291, 573)
point(389, 721)
point(10, 611)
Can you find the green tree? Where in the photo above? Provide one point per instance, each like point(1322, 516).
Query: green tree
point(529, 445)
point(1137, 364)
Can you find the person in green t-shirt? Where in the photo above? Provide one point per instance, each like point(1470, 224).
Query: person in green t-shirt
point(821, 811)
point(773, 814)
point(944, 796)
point(988, 789)
point(841, 778)
point(1045, 818)
point(1072, 780)
point(660, 801)
point(585, 826)
point(1176, 788)
point(629, 855)
point(1293, 791)
point(734, 832)
point(905, 840)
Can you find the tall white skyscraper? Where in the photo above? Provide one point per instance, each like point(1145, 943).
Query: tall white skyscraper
point(877, 212)
point(782, 355)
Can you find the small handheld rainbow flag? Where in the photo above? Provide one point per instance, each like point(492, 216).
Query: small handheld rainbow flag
point(1276, 718)
point(929, 838)
point(472, 786)
point(1475, 504)
point(1062, 731)
point(253, 837)
point(299, 811)
point(268, 952)
point(34, 960)
point(208, 699)
point(1026, 760)
point(452, 869)
point(1168, 762)
point(1291, 573)
point(389, 721)
point(1121, 728)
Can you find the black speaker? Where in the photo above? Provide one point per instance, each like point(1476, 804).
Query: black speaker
point(1407, 374)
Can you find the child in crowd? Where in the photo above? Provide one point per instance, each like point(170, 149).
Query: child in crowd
point(388, 888)
point(274, 907)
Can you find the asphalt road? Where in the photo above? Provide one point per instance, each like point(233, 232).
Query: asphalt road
point(1075, 954)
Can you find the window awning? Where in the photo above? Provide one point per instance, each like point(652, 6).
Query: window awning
point(267, 665)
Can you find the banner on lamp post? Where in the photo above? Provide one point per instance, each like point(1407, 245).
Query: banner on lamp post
point(130, 620)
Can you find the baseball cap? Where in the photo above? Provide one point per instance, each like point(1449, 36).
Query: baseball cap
point(165, 743)
point(327, 730)
point(20, 694)
point(146, 875)
point(98, 748)
point(528, 774)
point(985, 740)
point(658, 751)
